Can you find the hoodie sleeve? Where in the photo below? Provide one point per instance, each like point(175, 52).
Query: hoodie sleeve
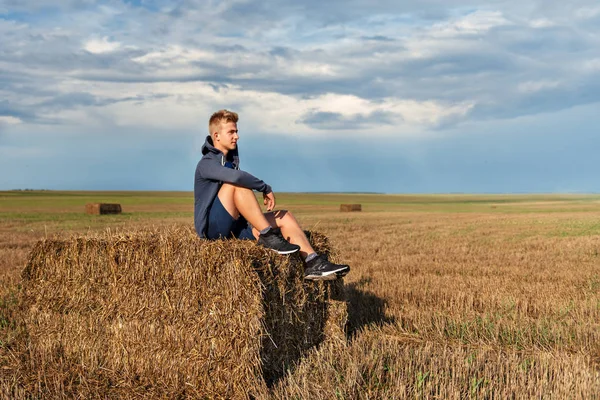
point(216, 172)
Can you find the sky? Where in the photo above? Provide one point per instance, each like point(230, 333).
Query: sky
point(428, 96)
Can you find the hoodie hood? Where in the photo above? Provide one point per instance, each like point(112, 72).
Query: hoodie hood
point(208, 147)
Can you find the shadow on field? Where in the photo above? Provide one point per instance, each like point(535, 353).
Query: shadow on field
point(364, 308)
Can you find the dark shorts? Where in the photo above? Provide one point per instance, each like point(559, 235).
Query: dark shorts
point(222, 225)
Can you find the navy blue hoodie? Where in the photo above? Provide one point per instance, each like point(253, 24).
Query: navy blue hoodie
point(211, 172)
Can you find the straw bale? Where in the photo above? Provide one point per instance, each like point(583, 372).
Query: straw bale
point(164, 314)
point(102, 208)
point(350, 207)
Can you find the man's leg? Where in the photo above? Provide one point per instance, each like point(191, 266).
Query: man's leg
point(237, 200)
point(290, 229)
point(318, 267)
point(241, 201)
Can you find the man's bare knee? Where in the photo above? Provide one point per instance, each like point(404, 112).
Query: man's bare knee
point(243, 195)
point(227, 188)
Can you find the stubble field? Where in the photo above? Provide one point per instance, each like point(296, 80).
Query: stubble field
point(450, 296)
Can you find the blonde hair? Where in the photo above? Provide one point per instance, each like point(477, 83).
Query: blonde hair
point(219, 117)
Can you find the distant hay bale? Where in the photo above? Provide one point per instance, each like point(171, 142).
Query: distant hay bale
point(166, 314)
point(350, 207)
point(102, 208)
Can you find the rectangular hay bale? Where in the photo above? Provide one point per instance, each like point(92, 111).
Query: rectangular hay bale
point(350, 207)
point(102, 208)
point(166, 314)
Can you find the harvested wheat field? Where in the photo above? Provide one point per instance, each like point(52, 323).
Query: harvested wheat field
point(449, 296)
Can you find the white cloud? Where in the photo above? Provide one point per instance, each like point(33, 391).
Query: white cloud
point(408, 112)
point(9, 120)
point(471, 24)
point(536, 86)
point(175, 54)
point(98, 46)
point(592, 65)
point(541, 23)
point(188, 104)
point(587, 12)
point(463, 34)
point(308, 69)
point(177, 60)
point(428, 113)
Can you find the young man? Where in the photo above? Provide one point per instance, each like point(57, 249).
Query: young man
point(225, 205)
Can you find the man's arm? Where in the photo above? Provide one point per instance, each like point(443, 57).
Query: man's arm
point(216, 172)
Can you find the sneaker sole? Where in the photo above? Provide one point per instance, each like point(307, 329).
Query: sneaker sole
point(342, 273)
point(329, 276)
point(285, 252)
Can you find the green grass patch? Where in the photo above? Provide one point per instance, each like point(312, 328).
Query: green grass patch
point(33, 207)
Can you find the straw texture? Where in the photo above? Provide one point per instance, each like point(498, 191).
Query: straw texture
point(163, 314)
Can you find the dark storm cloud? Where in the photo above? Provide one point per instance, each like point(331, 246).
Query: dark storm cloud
point(337, 121)
point(74, 100)
point(543, 100)
point(7, 109)
point(378, 38)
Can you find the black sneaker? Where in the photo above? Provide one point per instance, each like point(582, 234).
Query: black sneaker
point(321, 269)
point(275, 241)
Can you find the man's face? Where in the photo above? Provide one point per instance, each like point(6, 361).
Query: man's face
point(227, 136)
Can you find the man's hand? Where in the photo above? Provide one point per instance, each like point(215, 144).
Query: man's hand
point(269, 201)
